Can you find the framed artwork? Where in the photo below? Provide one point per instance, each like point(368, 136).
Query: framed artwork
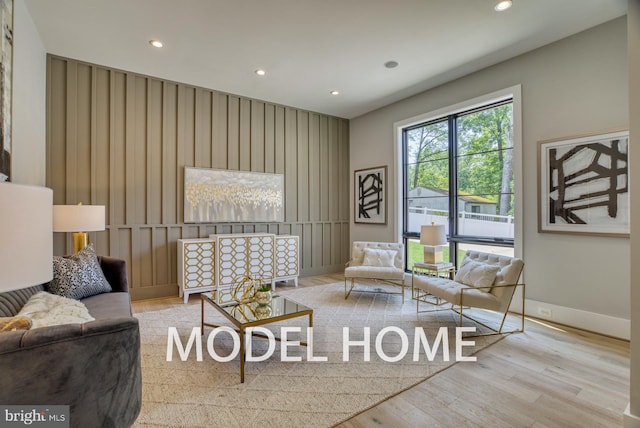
point(371, 195)
point(6, 69)
point(583, 185)
point(223, 196)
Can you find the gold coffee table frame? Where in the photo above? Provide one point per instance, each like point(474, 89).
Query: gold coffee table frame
point(243, 316)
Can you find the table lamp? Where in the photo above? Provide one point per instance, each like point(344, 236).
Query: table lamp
point(433, 237)
point(78, 219)
point(26, 241)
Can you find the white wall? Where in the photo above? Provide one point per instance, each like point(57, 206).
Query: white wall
point(632, 415)
point(575, 86)
point(29, 100)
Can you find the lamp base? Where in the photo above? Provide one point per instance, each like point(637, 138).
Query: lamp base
point(433, 255)
point(80, 241)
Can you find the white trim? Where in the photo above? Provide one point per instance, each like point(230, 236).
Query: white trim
point(584, 320)
point(591, 321)
point(514, 92)
point(630, 420)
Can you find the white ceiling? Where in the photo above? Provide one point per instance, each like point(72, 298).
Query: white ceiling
point(310, 47)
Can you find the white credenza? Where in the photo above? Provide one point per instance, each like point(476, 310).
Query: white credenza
point(222, 261)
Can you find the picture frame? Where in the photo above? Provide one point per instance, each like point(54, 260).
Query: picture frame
point(583, 185)
point(370, 195)
point(6, 87)
point(228, 196)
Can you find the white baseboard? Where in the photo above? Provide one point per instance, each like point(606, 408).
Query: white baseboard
point(629, 420)
point(591, 321)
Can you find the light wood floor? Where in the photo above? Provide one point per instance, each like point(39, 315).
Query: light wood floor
point(548, 376)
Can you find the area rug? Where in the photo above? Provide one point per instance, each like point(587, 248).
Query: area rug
point(277, 393)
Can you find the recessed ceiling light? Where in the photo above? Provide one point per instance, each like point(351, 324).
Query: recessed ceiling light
point(391, 64)
point(260, 72)
point(503, 5)
point(335, 92)
point(156, 43)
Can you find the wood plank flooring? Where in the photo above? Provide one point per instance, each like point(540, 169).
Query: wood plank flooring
point(548, 376)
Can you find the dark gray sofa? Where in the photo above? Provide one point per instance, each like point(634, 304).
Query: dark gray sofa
point(93, 367)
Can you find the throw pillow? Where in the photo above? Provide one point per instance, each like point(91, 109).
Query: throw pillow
point(378, 257)
point(476, 274)
point(46, 309)
point(14, 323)
point(78, 276)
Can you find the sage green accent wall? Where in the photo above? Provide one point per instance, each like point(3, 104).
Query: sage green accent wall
point(122, 140)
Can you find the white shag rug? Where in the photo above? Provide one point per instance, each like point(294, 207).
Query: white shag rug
point(208, 393)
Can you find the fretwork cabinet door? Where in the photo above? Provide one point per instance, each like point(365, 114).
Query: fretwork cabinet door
point(196, 266)
point(244, 255)
point(287, 260)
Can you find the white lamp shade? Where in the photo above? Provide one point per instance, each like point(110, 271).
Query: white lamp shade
point(26, 239)
point(78, 218)
point(433, 235)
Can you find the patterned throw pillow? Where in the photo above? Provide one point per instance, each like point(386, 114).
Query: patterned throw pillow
point(78, 276)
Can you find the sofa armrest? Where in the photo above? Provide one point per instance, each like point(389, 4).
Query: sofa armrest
point(115, 270)
point(93, 367)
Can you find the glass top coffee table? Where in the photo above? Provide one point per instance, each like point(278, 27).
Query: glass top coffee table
point(251, 314)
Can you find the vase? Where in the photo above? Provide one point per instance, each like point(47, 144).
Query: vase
point(263, 311)
point(262, 297)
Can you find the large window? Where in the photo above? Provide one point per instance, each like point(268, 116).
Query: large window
point(458, 171)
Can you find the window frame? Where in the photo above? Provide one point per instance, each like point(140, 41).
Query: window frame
point(507, 95)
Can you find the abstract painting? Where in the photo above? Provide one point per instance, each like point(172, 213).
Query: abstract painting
point(6, 65)
point(584, 185)
point(370, 195)
point(223, 196)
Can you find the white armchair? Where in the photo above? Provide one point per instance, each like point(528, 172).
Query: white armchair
point(380, 261)
point(486, 281)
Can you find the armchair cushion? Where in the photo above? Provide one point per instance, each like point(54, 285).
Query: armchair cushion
point(377, 272)
point(378, 257)
point(477, 274)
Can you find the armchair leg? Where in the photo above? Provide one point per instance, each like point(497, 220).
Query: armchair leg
point(493, 331)
point(347, 293)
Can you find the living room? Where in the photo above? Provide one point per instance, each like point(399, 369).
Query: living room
point(87, 128)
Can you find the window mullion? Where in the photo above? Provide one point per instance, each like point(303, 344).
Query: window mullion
point(453, 186)
point(405, 194)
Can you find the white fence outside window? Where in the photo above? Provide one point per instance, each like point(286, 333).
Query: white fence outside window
point(470, 224)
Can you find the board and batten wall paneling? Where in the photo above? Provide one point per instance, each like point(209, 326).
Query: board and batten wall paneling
point(122, 140)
